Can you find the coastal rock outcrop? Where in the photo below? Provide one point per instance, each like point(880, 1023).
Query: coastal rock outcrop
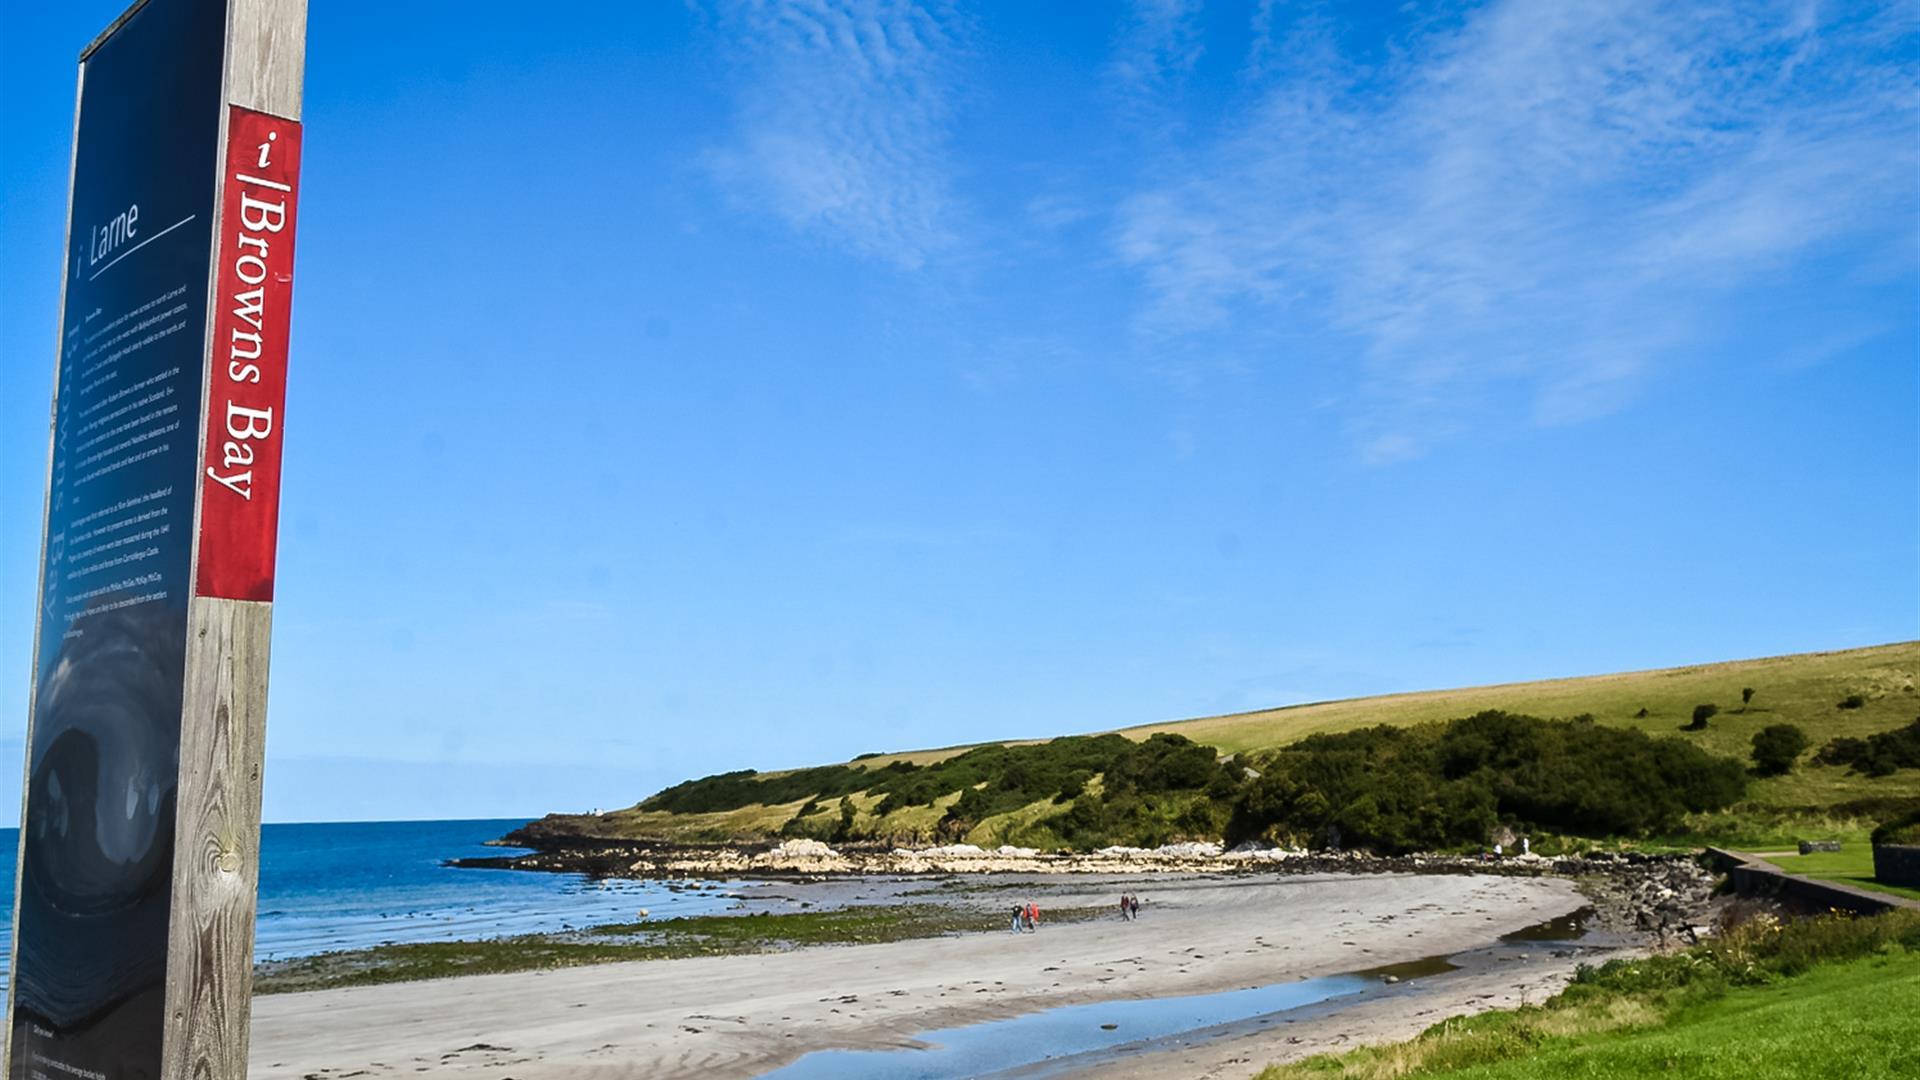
point(1670, 896)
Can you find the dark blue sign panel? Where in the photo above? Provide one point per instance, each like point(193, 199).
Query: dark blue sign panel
point(98, 839)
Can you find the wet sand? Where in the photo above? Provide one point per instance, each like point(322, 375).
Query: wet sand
point(1497, 978)
point(738, 1016)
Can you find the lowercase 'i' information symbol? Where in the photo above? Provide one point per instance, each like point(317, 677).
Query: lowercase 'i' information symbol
point(147, 713)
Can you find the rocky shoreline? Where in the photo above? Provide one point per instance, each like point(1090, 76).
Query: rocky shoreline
point(1668, 896)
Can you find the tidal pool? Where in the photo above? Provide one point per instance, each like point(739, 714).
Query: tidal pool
point(978, 1050)
point(1024, 1045)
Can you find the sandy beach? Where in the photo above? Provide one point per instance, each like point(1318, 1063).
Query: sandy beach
point(740, 1016)
point(1488, 979)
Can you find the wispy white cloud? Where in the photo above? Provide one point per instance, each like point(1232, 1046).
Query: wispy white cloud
point(1159, 43)
point(1539, 199)
point(841, 127)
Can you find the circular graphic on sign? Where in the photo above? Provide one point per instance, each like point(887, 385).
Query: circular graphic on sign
point(106, 738)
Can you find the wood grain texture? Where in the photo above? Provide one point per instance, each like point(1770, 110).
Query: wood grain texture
point(217, 840)
point(266, 55)
point(224, 712)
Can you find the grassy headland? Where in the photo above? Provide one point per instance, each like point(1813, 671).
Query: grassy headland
point(1826, 997)
point(1441, 781)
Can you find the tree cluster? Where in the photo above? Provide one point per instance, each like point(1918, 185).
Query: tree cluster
point(1776, 747)
point(1391, 789)
point(1876, 755)
point(1447, 785)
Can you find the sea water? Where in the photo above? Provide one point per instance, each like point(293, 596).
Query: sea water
point(352, 885)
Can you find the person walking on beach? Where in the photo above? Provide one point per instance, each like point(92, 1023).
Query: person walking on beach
point(1017, 912)
point(1125, 912)
point(1033, 915)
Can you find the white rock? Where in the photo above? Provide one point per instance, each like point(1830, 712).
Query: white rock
point(804, 849)
point(1204, 849)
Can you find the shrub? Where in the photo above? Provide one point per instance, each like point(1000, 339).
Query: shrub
point(1701, 714)
point(1756, 952)
point(1901, 830)
point(1776, 747)
point(1073, 786)
point(1084, 824)
point(973, 805)
point(1095, 821)
point(1880, 807)
point(844, 829)
point(1434, 786)
point(1447, 785)
point(1164, 762)
point(1852, 701)
point(1876, 755)
point(1746, 696)
point(797, 825)
point(1019, 775)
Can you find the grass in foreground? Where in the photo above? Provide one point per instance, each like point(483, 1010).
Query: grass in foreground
point(1828, 997)
point(665, 939)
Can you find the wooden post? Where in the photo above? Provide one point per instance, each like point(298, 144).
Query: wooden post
point(223, 731)
point(140, 838)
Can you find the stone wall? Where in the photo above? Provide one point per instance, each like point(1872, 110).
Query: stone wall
point(1897, 864)
point(1753, 877)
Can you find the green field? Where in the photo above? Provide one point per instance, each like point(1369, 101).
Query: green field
point(1803, 689)
point(1854, 1021)
point(1851, 865)
point(1812, 1004)
point(1806, 690)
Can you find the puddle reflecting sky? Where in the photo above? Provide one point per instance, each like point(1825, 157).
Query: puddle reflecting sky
point(995, 1046)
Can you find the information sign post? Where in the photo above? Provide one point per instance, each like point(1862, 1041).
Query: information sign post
point(139, 840)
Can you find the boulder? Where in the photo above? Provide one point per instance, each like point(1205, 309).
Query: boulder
point(802, 848)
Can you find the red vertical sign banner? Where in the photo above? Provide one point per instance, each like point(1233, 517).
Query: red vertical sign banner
point(247, 375)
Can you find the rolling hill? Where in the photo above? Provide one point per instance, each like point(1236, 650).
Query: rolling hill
point(1853, 693)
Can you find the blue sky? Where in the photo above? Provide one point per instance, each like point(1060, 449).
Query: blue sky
point(706, 386)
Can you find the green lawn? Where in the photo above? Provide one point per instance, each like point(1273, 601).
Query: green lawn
point(1827, 996)
point(1852, 1021)
point(1851, 865)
